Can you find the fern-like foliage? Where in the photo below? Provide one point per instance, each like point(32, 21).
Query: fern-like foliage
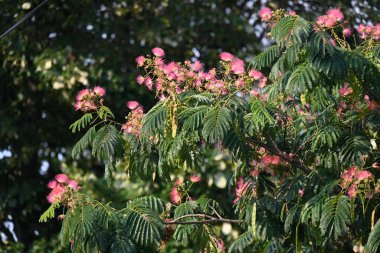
point(81, 123)
point(336, 216)
point(217, 122)
point(374, 239)
point(242, 242)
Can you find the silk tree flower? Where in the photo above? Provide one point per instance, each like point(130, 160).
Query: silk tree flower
point(347, 32)
point(255, 74)
point(301, 192)
point(333, 42)
point(52, 184)
point(100, 91)
point(132, 104)
point(351, 192)
point(345, 90)
point(159, 52)
point(81, 94)
point(140, 80)
point(56, 194)
point(73, 184)
point(241, 189)
point(237, 66)
point(140, 60)
point(265, 14)
point(197, 66)
point(268, 159)
point(61, 178)
point(175, 196)
point(225, 56)
point(363, 175)
point(195, 178)
point(376, 165)
point(335, 14)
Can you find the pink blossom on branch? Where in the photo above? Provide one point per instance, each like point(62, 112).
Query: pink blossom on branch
point(195, 178)
point(99, 91)
point(61, 178)
point(265, 14)
point(237, 66)
point(132, 104)
point(225, 56)
point(140, 60)
point(159, 52)
point(335, 14)
point(175, 196)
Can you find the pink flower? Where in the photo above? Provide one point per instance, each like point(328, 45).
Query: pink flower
point(61, 178)
point(148, 82)
point(175, 196)
point(99, 91)
point(140, 80)
point(241, 188)
point(197, 66)
point(132, 104)
point(52, 184)
point(140, 60)
point(335, 14)
point(159, 62)
point(225, 56)
point(56, 194)
point(376, 165)
point(351, 192)
point(301, 192)
point(237, 66)
point(220, 244)
point(363, 175)
point(347, 32)
point(265, 14)
point(333, 42)
point(255, 74)
point(292, 13)
point(263, 82)
point(345, 90)
point(159, 52)
point(239, 83)
point(81, 94)
point(195, 178)
point(268, 159)
point(73, 184)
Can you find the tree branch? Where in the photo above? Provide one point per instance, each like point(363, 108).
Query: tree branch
point(208, 219)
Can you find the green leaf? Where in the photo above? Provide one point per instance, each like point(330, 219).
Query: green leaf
point(83, 143)
point(336, 216)
point(144, 224)
point(104, 113)
point(49, 213)
point(302, 79)
point(374, 239)
point(242, 242)
point(266, 58)
point(217, 122)
point(155, 118)
point(290, 30)
point(107, 143)
point(81, 123)
point(191, 118)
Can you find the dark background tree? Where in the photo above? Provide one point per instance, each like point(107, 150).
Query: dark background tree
point(69, 44)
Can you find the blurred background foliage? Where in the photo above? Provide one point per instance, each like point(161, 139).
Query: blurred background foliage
point(70, 44)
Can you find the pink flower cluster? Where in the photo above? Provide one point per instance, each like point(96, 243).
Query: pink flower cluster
point(176, 77)
point(241, 189)
point(345, 90)
point(331, 18)
point(88, 99)
point(265, 14)
point(352, 177)
point(59, 186)
point(369, 31)
point(134, 119)
point(268, 159)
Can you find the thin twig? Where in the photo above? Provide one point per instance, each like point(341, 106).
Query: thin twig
point(208, 219)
